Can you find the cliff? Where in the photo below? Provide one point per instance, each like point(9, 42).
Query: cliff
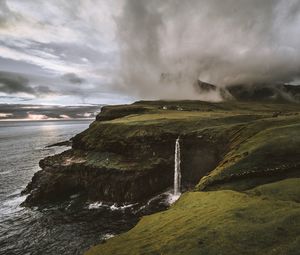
point(240, 168)
point(127, 154)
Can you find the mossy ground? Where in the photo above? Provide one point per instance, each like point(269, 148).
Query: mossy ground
point(265, 220)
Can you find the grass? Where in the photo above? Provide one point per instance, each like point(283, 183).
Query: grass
point(265, 220)
point(285, 190)
point(268, 145)
point(193, 116)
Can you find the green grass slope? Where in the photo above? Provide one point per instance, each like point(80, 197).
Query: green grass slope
point(263, 148)
point(264, 220)
point(153, 118)
point(239, 213)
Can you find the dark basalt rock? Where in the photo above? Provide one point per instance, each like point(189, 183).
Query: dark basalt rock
point(199, 157)
point(110, 185)
point(68, 173)
point(204, 86)
point(293, 90)
point(107, 176)
point(64, 143)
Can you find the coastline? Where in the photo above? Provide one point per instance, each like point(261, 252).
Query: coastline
point(127, 156)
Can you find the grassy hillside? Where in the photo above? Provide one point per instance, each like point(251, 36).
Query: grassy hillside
point(245, 158)
point(240, 163)
point(250, 139)
point(264, 220)
point(263, 148)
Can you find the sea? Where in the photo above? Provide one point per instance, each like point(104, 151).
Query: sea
point(69, 227)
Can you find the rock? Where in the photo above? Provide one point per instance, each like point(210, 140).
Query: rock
point(64, 143)
point(204, 86)
point(115, 112)
point(66, 174)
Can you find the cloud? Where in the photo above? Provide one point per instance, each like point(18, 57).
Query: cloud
point(221, 42)
point(42, 112)
point(73, 78)
point(11, 83)
point(3, 12)
point(43, 90)
point(48, 61)
point(107, 50)
point(78, 27)
point(73, 39)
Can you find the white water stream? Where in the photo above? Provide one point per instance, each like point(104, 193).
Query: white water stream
point(177, 170)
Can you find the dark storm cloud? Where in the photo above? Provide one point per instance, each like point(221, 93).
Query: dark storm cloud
point(73, 78)
point(25, 111)
point(167, 45)
point(13, 83)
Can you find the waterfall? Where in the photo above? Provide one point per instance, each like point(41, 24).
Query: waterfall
point(177, 171)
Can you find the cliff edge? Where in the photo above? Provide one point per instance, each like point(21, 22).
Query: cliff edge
point(127, 153)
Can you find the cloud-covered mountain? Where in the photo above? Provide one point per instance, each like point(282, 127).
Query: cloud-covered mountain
point(226, 42)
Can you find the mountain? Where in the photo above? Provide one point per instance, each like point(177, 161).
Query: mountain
point(261, 92)
point(255, 92)
point(204, 86)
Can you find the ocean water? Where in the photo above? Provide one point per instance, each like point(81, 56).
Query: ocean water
point(70, 227)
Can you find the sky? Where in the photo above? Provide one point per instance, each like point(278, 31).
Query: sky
point(86, 52)
point(58, 52)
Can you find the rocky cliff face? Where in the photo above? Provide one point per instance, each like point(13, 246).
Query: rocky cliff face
point(71, 173)
point(145, 168)
point(127, 154)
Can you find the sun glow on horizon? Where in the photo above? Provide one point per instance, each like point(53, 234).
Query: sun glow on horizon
point(5, 115)
point(31, 116)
